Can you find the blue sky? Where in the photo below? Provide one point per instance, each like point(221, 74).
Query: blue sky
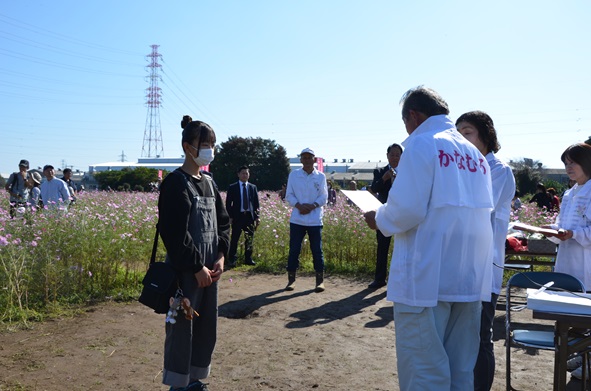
point(323, 74)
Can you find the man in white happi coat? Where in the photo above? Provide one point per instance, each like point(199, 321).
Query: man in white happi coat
point(439, 211)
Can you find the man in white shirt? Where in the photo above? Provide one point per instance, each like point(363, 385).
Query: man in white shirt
point(307, 193)
point(54, 191)
point(439, 210)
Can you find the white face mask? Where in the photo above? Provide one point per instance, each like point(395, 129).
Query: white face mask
point(205, 156)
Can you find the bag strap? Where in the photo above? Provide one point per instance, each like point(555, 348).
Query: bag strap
point(155, 246)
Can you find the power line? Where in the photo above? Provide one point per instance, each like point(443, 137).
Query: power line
point(61, 51)
point(38, 60)
point(48, 33)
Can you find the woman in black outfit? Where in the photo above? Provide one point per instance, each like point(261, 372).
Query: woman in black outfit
point(195, 229)
point(542, 198)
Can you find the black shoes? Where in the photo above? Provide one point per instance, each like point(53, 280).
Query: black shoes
point(376, 284)
point(250, 262)
point(291, 277)
point(194, 386)
point(197, 386)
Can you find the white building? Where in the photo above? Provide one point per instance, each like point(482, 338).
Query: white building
point(158, 163)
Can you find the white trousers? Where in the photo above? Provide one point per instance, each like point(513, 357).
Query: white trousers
point(437, 347)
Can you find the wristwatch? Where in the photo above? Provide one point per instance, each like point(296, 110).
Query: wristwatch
point(316, 204)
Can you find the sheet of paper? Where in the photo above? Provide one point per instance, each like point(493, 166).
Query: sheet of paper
point(559, 302)
point(531, 228)
point(363, 199)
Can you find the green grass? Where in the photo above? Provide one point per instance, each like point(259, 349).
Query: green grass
point(52, 265)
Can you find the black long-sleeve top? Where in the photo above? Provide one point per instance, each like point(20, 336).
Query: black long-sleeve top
point(174, 207)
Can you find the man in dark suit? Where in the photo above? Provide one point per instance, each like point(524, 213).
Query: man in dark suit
point(382, 182)
point(242, 204)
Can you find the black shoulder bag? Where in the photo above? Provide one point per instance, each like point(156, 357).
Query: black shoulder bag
point(160, 283)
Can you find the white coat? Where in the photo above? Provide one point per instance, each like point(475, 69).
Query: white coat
point(574, 255)
point(503, 188)
point(439, 209)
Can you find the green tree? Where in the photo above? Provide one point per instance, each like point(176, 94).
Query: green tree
point(2, 182)
point(127, 178)
point(559, 187)
point(527, 175)
point(268, 162)
point(110, 179)
point(141, 176)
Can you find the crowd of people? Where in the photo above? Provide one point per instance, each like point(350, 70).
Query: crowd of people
point(28, 191)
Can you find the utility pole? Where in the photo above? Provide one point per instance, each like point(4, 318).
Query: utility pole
point(122, 156)
point(152, 146)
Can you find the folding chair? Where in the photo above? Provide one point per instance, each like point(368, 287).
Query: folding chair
point(543, 340)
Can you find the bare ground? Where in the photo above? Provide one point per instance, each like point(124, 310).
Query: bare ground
point(268, 339)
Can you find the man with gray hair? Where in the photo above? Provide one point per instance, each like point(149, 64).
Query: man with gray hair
point(439, 210)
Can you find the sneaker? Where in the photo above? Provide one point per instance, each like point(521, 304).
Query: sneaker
point(196, 386)
point(574, 363)
point(578, 373)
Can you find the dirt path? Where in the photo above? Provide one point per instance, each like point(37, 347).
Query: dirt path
point(341, 339)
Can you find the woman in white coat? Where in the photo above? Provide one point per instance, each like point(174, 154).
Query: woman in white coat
point(574, 219)
point(574, 224)
point(478, 128)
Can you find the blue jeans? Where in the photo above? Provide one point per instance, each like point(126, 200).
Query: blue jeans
point(296, 237)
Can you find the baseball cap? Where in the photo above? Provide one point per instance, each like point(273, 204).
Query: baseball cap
point(24, 163)
point(308, 150)
point(47, 167)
